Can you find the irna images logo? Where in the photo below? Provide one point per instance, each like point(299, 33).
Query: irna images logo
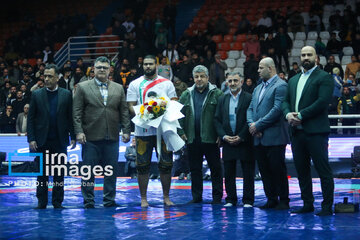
point(59, 164)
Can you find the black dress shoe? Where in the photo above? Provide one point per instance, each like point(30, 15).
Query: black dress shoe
point(216, 202)
point(304, 209)
point(282, 206)
point(40, 207)
point(112, 205)
point(195, 201)
point(59, 207)
point(324, 213)
point(268, 206)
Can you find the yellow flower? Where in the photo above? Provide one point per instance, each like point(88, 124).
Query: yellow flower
point(156, 109)
point(142, 109)
point(151, 102)
point(162, 98)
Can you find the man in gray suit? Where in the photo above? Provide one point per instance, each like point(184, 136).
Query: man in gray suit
point(269, 129)
point(99, 109)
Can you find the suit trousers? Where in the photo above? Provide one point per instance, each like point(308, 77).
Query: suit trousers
point(104, 153)
point(53, 146)
point(197, 150)
point(248, 168)
point(313, 146)
point(271, 162)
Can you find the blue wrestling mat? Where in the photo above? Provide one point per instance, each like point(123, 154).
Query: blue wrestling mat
point(184, 221)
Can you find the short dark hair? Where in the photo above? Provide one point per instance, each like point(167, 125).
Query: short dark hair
point(102, 59)
point(53, 66)
point(151, 57)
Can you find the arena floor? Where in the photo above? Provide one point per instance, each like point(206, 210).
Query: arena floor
point(18, 219)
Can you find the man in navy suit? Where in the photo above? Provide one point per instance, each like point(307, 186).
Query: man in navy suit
point(49, 125)
point(269, 128)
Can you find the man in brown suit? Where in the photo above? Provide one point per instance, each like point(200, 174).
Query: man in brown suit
point(99, 109)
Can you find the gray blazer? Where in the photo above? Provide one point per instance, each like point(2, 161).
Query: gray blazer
point(19, 122)
point(92, 117)
point(267, 114)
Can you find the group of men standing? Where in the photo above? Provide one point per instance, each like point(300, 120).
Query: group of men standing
point(248, 127)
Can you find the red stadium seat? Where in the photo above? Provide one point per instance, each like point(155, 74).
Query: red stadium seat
point(223, 54)
point(228, 38)
point(217, 38)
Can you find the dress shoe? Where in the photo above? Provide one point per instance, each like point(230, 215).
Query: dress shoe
point(111, 205)
point(282, 206)
point(40, 207)
point(195, 201)
point(188, 177)
point(246, 205)
point(268, 205)
point(304, 209)
point(229, 205)
point(324, 213)
point(59, 207)
point(181, 176)
point(216, 201)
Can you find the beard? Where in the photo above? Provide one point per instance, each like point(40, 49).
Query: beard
point(150, 72)
point(308, 64)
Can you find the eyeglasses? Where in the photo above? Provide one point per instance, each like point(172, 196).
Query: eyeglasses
point(102, 67)
point(233, 80)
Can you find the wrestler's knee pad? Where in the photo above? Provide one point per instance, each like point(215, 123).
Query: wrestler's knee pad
point(165, 168)
point(144, 169)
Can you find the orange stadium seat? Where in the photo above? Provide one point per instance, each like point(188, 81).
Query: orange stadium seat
point(241, 38)
point(225, 46)
point(223, 54)
point(217, 38)
point(232, 30)
point(237, 46)
point(228, 38)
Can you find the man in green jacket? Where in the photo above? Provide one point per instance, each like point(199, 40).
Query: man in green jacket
point(199, 133)
point(305, 108)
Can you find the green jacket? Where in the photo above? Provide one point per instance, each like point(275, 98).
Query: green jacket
point(207, 131)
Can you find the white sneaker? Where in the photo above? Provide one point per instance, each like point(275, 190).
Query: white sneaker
point(229, 205)
point(248, 206)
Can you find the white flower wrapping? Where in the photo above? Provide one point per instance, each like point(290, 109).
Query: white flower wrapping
point(166, 125)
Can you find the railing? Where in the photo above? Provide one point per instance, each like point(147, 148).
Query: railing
point(76, 47)
point(356, 116)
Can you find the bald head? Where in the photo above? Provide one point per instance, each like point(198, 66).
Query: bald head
point(267, 68)
point(308, 57)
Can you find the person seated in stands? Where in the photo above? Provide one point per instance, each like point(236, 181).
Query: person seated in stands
point(314, 23)
point(244, 25)
point(65, 80)
point(8, 121)
point(250, 68)
point(352, 67)
point(353, 84)
point(19, 103)
point(296, 22)
point(331, 65)
point(334, 46)
point(264, 24)
point(221, 26)
point(348, 105)
point(249, 86)
point(336, 21)
point(282, 75)
point(39, 84)
point(21, 121)
point(295, 70)
point(320, 47)
point(283, 47)
point(7, 78)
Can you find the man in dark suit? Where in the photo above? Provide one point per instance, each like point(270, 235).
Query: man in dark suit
point(231, 126)
point(99, 109)
point(270, 132)
point(49, 124)
point(305, 108)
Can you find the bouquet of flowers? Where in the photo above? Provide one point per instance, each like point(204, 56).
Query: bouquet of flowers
point(162, 114)
point(153, 109)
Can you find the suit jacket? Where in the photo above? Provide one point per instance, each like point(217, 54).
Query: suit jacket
point(267, 114)
point(92, 117)
point(19, 122)
point(212, 76)
point(222, 124)
point(314, 101)
point(38, 117)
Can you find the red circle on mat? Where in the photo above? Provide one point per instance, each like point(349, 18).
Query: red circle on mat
point(146, 215)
